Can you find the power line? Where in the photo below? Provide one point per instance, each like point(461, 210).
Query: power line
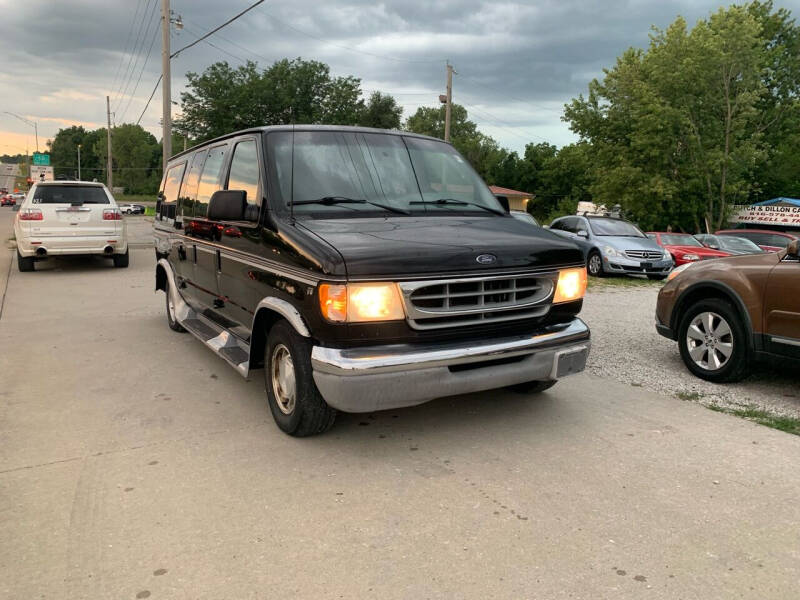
point(507, 95)
point(137, 52)
point(186, 47)
point(153, 93)
point(141, 71)
point(130, 68)
point(127, 41)
point(226, 23)
point(508, 126)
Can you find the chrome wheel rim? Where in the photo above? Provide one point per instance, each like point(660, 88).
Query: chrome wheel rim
point(595, 264)
point(170, 307)
point(284, 385)
point(709, 340)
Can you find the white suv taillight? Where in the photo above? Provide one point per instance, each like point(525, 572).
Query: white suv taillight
point(31, 214)
point(112, 214)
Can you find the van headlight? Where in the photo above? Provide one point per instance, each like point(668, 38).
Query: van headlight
point(360, 302)
point(571, 285)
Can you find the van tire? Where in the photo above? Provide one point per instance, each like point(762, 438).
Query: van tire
point(121, 261)
point(171, 320)
point(25, 263)
point(532, 387)
point(308, 414)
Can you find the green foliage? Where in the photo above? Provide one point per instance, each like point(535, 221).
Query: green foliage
point(223, 99)
point(697, 122)
point(381, 111)
point(137, 156)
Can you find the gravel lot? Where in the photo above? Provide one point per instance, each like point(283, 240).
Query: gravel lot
point(626, 347)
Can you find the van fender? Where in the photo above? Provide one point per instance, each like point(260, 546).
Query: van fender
point(284, 309)
point(165, 280)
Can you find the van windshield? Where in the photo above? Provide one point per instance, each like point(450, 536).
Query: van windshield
point(349, 173)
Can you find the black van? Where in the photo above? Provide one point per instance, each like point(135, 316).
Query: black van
point(364, 270)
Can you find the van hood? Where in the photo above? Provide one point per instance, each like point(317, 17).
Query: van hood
point(431, 244)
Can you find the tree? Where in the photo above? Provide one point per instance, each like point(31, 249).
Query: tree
point(63, 150)
point(136, 158)
point(678, 131)
point(223, 99)
point(381, 111)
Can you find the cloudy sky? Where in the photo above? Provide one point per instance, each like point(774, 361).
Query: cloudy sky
point(517, 62)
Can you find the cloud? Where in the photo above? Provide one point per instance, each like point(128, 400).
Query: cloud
point(518, 62)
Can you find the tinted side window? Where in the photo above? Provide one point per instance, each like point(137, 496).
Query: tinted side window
point(188, 194)
point(557, 225)
point(244, 175)
point(570, 224)
point(209, 179)
point(169, 195)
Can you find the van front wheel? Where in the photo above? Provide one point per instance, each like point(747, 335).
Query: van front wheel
point(296, 404)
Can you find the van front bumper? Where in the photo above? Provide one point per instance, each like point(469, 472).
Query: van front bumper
point(385, 377)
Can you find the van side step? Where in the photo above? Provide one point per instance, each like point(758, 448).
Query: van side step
point(233, 350)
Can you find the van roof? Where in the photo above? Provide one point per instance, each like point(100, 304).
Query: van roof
point(268, 128)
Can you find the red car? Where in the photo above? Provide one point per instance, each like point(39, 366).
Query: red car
point(684, 247)
point(7, 200)
point(769, 241)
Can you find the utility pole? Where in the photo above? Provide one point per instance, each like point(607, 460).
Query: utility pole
point(166, 92)
point(79, 162)
point(110, 181)
point(448, 102)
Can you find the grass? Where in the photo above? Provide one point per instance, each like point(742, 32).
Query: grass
point(689, 396)
point(762, 417)
point(623, 281)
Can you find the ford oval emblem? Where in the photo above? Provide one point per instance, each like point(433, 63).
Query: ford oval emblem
point(486, 259)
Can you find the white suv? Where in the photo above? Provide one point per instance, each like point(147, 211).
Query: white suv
point(69, 217)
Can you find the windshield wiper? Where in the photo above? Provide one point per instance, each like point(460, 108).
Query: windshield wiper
point(453, 201)
point(331, 200)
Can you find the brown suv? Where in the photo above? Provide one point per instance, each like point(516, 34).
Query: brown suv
point(728, 312)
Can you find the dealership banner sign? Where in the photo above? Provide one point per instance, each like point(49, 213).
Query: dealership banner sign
point(775, 214)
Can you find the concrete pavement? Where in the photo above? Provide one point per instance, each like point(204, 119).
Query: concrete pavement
point(134, 463)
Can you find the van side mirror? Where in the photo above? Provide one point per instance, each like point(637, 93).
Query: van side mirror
point(793, 249)
point(503, 200)
point(227, 205)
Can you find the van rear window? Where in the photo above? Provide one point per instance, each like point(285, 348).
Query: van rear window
point(70, 194)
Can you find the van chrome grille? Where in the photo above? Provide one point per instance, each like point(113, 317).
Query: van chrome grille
point(644, 254)
point(459, 302)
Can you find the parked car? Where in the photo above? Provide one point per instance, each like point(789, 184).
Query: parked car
point(132, 209)
point(362, 269)
point(612, 245)
point(683, 247)
point(729, 243)
point(726, 313)
point(769, 241)
point(524, 216)
point(69, 218)
point(12, 199)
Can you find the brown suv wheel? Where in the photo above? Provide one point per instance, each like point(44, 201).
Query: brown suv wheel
point(713, 341)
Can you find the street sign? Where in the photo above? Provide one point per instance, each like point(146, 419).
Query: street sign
point(41, 159)
point(41, 173)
